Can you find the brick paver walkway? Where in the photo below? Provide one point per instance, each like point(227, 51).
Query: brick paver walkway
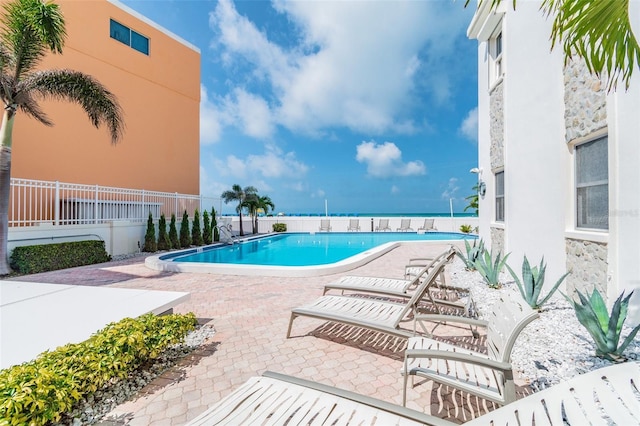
point(250, 316)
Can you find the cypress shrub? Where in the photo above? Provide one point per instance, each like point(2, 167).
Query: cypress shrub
point(214, 225)
point(206, 228)
point(185, 235)
point(196, 234)
point(150, 244)
point(163, 238)
point(173, 233)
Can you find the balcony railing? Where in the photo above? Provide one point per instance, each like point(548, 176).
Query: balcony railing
point(35, 202)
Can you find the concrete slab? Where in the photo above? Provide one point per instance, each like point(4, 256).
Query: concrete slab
point(35, 317)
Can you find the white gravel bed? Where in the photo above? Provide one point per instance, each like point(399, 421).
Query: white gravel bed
point(555, 346)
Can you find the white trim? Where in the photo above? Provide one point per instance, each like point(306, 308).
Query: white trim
point(498, 225)
point(151, 23)
point(588, 235)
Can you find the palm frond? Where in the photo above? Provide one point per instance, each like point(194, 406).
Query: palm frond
point(29, 106)
point(100, 104)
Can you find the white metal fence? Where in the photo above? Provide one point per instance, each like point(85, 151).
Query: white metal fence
point(35, 202)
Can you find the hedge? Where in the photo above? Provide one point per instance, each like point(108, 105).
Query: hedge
point(51, 257)
point(40, 391)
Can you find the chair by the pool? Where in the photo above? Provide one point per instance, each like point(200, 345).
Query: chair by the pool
point(607, 395)
point(325, 225)
point(405, 225)
point(427, 226)
point(354, 225)
point(373, 314)
point(383, 225)
point(490, 375)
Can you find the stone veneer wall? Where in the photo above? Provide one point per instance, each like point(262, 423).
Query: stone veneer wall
point(587, 262)
point(585, 101)
point(497, 240)
point(496, 128)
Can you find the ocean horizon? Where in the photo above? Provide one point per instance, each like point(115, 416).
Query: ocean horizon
point(370, 214)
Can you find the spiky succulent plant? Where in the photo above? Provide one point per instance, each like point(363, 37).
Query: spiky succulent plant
point(472, 253)
point(490, 267)
point(532, 283)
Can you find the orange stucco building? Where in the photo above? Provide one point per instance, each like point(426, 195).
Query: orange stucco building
point(156, 78)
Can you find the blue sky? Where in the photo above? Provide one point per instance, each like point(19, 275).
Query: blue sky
point(370, 105)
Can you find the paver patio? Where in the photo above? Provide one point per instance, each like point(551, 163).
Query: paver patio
point(250, 316)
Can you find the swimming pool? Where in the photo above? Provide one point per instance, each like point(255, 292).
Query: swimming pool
point(294, 254)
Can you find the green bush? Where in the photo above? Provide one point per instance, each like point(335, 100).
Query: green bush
point(466, 228)
point(150, 244)
point(38, 392)
point(279, 227)
point(173, 233)
point(163, 238)
point(214, 225)
point(185, 235)
point(51, 257)
point(196, 234)
point(206, 228)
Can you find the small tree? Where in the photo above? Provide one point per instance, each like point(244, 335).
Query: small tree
point(163, 238)
point(196, 233)
point(173, 233)
point(150, 237)
point(206, 228)
point(185, 235)
point(214, 225)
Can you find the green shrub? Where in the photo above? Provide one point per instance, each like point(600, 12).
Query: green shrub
point(214, 225)
point(466, 229)
point(150, 244)
point(472, 254)
point(605, 329)
point(196, 233)
point(51, 257)
point(279, 227)
point(173, 233)
point(206, 228)
point(185, 235)
point(163, 238)
point(533, 282)
point(38, 392)
point(490, 268)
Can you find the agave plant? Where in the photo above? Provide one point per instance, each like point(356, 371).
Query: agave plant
point(490, 268)
point(604, 328)
point(533, 282)
point(473, 252)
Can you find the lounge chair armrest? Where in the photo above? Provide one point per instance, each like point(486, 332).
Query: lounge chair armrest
point(457, 356)
point(425, 259)
point(362, 399)
point(451, 318)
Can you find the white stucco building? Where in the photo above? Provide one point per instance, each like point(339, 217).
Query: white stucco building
point(560, 157)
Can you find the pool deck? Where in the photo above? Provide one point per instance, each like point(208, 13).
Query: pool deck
point(250, 315)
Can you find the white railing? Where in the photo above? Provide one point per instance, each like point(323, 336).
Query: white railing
point(35, 202)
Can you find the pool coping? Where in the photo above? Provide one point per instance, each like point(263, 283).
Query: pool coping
point(161, 263)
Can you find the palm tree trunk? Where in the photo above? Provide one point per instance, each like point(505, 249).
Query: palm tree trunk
point(241, 231)
point(5, 188)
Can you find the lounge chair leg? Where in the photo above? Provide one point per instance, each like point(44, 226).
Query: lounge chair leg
point(290, 325)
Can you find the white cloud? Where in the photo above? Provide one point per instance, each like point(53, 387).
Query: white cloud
point(318, 194)
point(355, 64)
point(210, 126)
point(209, 187)
point(272, 164)
point(451, 189)
point(469, 126)
point(250, 113)
point(385, 160)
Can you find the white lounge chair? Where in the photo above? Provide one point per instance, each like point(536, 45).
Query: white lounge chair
point(490, 375)
point(405, 225)
point(605, 396)
point(383, 225)
point(427, 226)
point(372, 314)
point(325, 225)
point(354, 225)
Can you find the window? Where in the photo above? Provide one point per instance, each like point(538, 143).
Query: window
point(500, 197)
point(129, 37)
point(495, 60)
point(592, 184)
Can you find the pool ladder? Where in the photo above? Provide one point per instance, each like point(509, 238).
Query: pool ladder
point(226, 235)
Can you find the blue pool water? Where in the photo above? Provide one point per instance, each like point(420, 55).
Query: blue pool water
point(307, 249)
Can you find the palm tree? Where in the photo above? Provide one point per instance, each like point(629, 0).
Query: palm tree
point(237, 193)
point(29, 29)
point(254, 204)
point(599, 31)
